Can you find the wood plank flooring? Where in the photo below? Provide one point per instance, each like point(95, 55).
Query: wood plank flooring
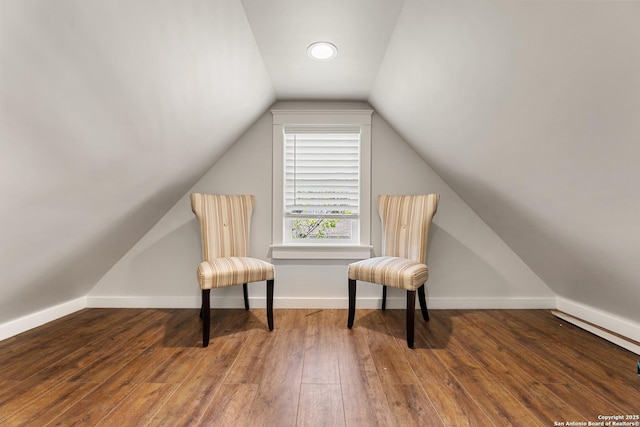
point(146, 367)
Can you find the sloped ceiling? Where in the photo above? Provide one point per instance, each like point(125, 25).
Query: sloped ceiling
point(111, 110)
point(361, 30)
point(530, 111)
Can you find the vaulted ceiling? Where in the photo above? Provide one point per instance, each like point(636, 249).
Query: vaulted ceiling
point(361, 30)
point(111, 110)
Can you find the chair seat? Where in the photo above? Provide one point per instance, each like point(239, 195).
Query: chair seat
point(390, 271)
point(230, 271)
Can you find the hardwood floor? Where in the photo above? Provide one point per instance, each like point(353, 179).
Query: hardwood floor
point(120, 367)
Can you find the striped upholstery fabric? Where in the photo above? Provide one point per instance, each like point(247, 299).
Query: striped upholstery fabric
point(405, 225)
point(391, 271)
point(230, 271)
point(405, 229)
point(224, 224)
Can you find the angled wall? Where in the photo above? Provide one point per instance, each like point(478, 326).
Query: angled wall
point(109, 112)
point(470, 265)
point(529, 111)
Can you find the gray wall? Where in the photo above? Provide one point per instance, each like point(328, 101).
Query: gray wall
point(470, 265)
point(530, 111)
point(109, 112)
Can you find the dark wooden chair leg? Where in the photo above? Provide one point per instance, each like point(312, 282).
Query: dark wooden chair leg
point(206, 316)
point(201, 308)
point(246, 296)
point(269, 303)
point(423, 303)
point(384, 297)
point(411, 314)
point(352, 303)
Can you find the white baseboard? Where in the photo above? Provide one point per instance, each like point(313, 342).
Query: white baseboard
point(479, 303)
point(596, 330)
point(216, 302)
point(603, 319)
point(306, 302)
point(30, 321)
point(148, 302)
point(435, 303)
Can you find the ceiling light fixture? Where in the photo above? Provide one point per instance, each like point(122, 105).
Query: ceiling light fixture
point(322, 51)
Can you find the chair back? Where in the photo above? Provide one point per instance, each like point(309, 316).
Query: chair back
point(405, 224)
point(224, 223)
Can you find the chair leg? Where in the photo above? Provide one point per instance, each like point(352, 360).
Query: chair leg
point(411, 314)
point(384, 297)
point(246, 296)
point(352, 303)
point(206, 316)
point(269, 303)
point(423, 303)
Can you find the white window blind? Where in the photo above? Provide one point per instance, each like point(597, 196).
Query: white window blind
point(322, 174)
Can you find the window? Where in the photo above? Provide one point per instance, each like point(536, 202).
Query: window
point(322, 190)
point(321, 184)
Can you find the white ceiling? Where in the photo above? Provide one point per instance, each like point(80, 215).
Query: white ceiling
point(361, 30)
point(111, 110)
point(530, 111)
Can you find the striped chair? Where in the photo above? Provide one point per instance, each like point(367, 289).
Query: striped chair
point(405, 229)
point(224, 225)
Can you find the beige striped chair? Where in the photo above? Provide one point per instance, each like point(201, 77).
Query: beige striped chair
point(405, 230)
point(224, 225)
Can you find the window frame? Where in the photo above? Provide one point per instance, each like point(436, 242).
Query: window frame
point(327, 120)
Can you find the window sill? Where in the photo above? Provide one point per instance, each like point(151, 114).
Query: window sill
point(353, 252)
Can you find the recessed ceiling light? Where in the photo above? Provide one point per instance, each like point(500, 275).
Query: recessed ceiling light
point(322, 51)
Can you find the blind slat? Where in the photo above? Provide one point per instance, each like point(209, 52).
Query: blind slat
point(322, 174)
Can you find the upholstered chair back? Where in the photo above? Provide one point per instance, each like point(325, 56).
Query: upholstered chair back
point(224, 223)
point(405, 225)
